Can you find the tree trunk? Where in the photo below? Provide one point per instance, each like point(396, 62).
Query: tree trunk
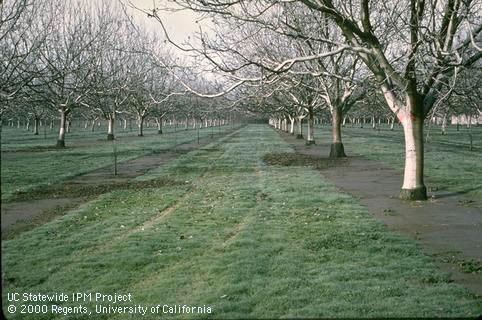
point(36, 126)
point(63, 121)
point(444, 124)
point(140, 119)
point(337, 149)
point(392, 123)
point(92, 126)
point(311, 131)
point(159, 125)
point(300, 128)
point(110, 128)
point(27, 126)
point(69, 124)
point(292, 125)
point(413, 187)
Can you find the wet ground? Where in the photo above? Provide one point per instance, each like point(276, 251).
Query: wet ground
point(448, 226)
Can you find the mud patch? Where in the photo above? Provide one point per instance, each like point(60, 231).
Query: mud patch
point(37, 149)
point(44, 216)
point(304, 160)
point(77, 190)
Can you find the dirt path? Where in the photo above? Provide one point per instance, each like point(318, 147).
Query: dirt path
point(15, 213)
point(443, 226)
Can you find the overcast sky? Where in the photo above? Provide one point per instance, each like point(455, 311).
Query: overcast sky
point(180, 25)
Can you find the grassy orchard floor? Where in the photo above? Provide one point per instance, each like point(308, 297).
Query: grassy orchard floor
point(28, 162)
point(449, 165)
point(247, 239)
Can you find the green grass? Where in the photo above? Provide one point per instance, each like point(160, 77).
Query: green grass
point(248, 239)
point(449, 164)
point(29, 163)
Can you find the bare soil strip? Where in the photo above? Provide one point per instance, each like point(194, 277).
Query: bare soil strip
point(445, 226)
point(16, 215)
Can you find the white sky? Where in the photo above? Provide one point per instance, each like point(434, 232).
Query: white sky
point(180, 25)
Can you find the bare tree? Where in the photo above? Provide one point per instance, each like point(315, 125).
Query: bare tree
point(412, 48)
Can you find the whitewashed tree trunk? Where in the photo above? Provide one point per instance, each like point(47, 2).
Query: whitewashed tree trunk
point(444, 124)
point(292, 125)
point(311, 129)
point(63, 121)
point(337, 149)
point(413, 187)
point(140, 120)
point(300, 128)
point(110, 127)
point(159, 124)
point(36, 126)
